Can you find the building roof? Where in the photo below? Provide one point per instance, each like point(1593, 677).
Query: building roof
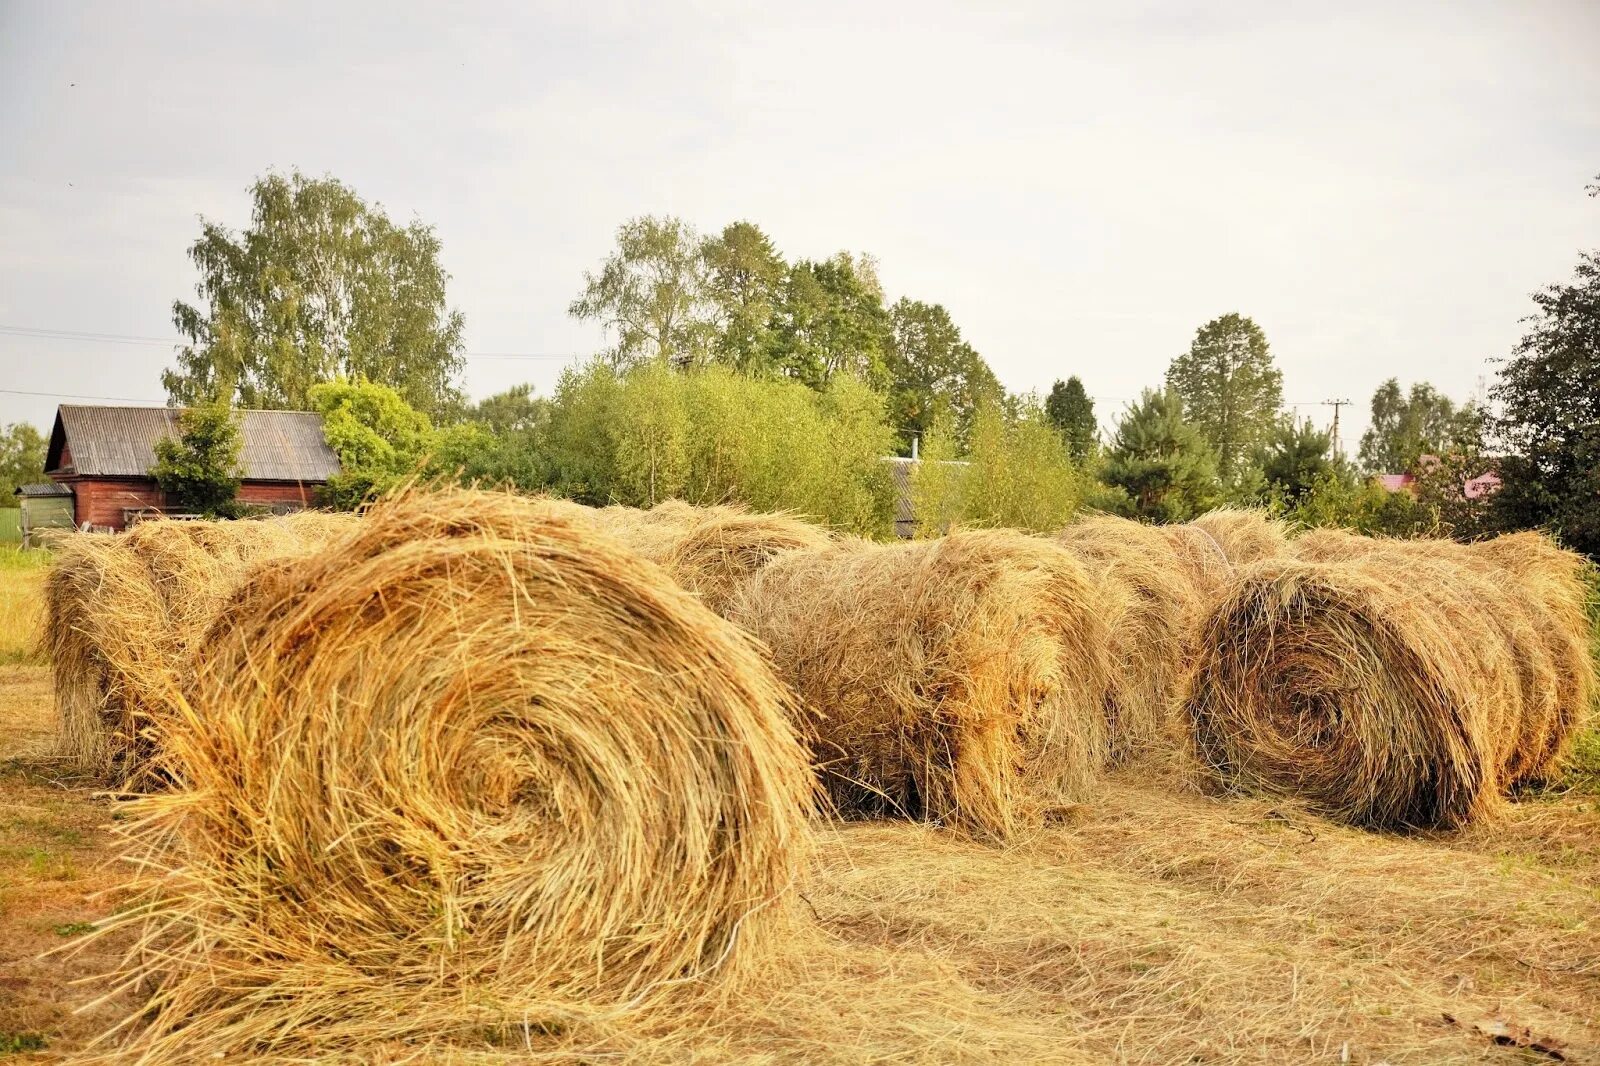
point(120, 442)
point(47, 489)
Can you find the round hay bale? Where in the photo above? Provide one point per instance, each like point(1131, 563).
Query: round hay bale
point(475, 768)
point(711, 550)
point(1244, 536)
point(1545, 616)
point(1155, 612)
point(123, 612)
point(959, 680)
point(1388, 690)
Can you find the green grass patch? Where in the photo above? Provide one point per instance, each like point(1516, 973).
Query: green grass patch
point(17, 1043)
point(73, 928)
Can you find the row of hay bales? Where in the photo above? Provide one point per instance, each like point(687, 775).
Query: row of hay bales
point(474, 758)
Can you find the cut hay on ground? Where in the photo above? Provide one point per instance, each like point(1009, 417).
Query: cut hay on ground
point(471, 771)
point(1398, 684)
point(959, 680)
point(123, 611)
point(1155, 612)
point(710, 550)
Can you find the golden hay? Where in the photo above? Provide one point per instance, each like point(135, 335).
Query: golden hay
point(1395, 685)
point(122, 613)
point(473, 769)
point(1156, 612)
point(958, 680)
point(710, 550)
point(1544, 614)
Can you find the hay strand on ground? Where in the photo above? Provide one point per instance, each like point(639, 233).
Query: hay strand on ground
point(1395, 684)
point(959, 680)
point(472, 770)
point(1155, 611)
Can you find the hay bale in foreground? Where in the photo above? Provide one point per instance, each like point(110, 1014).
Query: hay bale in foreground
point(711, 550)
point(1399, 687)
point(1155, 611)
point(959, 680)
point(472, 769)
point(123, 612)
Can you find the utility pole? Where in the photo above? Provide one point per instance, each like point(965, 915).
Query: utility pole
point(1334, 433)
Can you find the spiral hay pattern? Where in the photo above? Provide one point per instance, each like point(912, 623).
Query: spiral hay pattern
point(1392, 684)
point(473, 768)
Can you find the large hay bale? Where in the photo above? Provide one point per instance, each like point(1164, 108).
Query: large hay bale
point(958, 680)
point(1155, 611)
point(711, 550)
point(474, 769)
point(124, 611)
point(1544, 614)
point(1396, 685)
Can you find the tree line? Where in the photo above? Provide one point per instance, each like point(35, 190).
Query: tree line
point(733, 372)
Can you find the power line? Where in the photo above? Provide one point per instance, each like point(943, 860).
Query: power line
point(79, 396)
point(87, 337)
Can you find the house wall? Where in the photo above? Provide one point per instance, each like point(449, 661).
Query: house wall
point(102, 501)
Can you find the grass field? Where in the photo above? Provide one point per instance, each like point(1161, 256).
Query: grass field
point(21, 580)
point(1157, 925)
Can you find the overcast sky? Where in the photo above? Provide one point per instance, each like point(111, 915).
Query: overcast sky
point(1082, 185)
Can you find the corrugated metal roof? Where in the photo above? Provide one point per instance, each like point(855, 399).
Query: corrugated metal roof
point(49, 489)
point(120, 442)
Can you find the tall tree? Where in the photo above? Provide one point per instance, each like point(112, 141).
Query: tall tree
point(1232, 393)
point(744, 280)
point(1549, 424)
point(1406, 427)
point(22, 454)
point(1072, 413)
point(933, 372)
point(1161, 461)
point(1298, 457)
point(199, 468)
point(321, 284)
point(831, 319)
point(650, 295)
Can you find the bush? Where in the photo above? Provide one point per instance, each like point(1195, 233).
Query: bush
point(199, 469)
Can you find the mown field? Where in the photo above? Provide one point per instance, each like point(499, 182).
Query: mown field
point(1155, 924)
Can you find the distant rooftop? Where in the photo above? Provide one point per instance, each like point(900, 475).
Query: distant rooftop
point(120, 442)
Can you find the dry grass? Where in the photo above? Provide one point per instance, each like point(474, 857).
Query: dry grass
point(472, 769)
point(21, 604)
point(710, 551)
point(1394, 684)
point(1161, 927)
point(1155, 611)
point(123, 613)
point(960, 680)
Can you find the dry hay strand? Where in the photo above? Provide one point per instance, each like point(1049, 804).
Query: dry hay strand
point(472, 770)
point(1156, 611)
point(1545, 615)
point(123, 613)
point(1400, 687)
point(711, 551)
point(1244, 536)
point(959, 681)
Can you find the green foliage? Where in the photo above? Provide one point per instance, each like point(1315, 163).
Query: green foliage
point(1015, 474)
point(1232, 393)
point(321, 284)
point(1405, 428)
point(716, 436)
point(650, 295)
point(199, 469)
point(831, 320)
point(744, 279)
point(934, 372)
point(1160, 461)
point(1072, 412)
point(379, 438)
point(1338, 499)
point(1295, 459)
point(22, 454)
point(21, 1043)
point(1549, 426)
